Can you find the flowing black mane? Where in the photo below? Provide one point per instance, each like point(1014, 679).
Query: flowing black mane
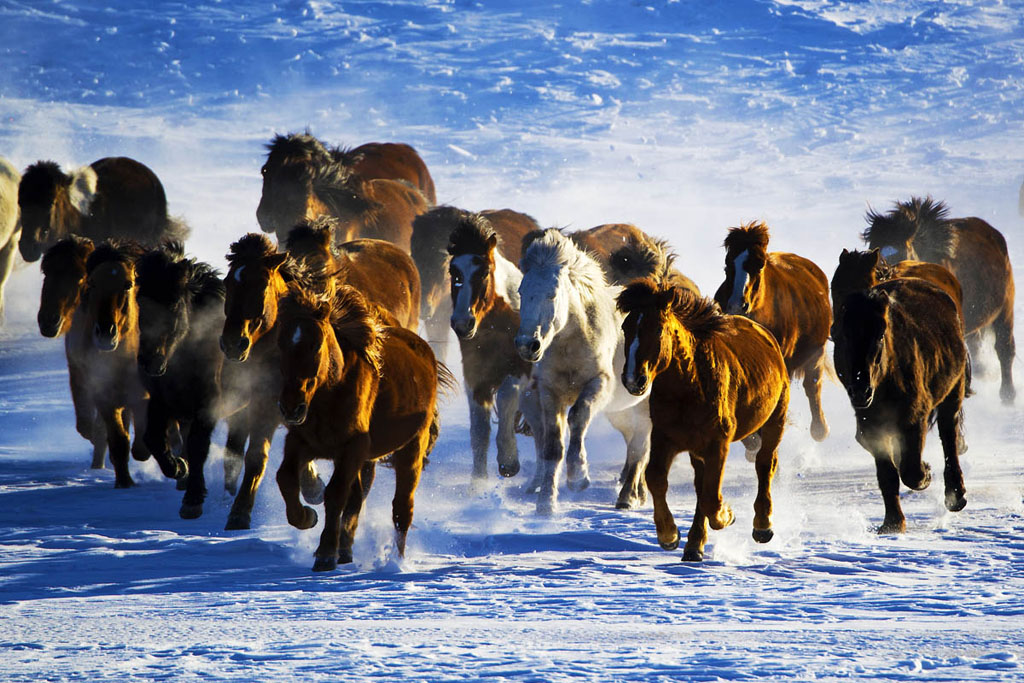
point(167, 276)
point(66, 253)
point(39, 182)
point(472, 235)
point(124, 252)
point(924, 221)
point(753, 235)
point(698, 314)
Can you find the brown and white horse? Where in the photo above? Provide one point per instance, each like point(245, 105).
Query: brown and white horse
point(352, 392)
point(114, 197)
point(430, 233)
point(974, 252)
point(713, 379)
point(303, 180)
point(788, 294)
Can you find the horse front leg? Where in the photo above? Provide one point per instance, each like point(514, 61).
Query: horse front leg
point(1006, 349)
point(812, 388)
point(949, 417)
point(635, 426)
point(507, 403)
point(766, 461)
point(7, 253)
point(479, 433)
point(344, 480)
point(552, 452)
point(408, 462)
point(295, 458)
point(117, 444)
point(234, 449)
point(577, 474)
point(155, 437)
point(656, 475)
point(889, 484)
point(529, 407)
point(197, 448)
point(709, 496)
point(261, 425)
point(353, 507)
point(914, 472)
point(88, 422)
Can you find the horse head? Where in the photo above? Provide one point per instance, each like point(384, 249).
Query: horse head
point(545, 290)
point(647, 306)
point(745, 259)
point(252, 287)
point(471, 269)
point(52, 204)
point(288, 180)
point(109, 298)
point(861, 357)
point(64, 277)
point(427, 244)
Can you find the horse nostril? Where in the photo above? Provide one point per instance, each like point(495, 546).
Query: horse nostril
point(243, 344)
point(534, 345)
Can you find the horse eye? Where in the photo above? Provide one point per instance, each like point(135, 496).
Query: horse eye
point(263, 171)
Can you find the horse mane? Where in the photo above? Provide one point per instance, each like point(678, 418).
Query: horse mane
point(167, 275)
point(250, 247)
point(40, 179)
point(698, 314)
point(114, 251)
point(472, 235)
point(300, 147)
point(552, 249)
point(63, 253)
point(639, 258)
point(430, 232)
point(312, 236)
point(925, 221)
point(753, 235)
point(356, 323)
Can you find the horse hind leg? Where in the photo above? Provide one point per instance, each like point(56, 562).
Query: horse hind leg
point(949, 419)
point(118, 444)
point(353, 508)
point(408, 462)
point(765, 464)
point(812, 388)
point(1006, 349)
point(234, 450)
point(635, 427)
point(507, 402)
point(889, 484)
point(479, 434)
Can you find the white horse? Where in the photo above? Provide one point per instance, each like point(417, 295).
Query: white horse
point(10, 225)
point(571, 329)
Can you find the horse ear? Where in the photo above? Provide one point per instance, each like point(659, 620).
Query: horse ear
point(179, 272)
point(323, 310)
point(875, 256)
point(492, 241)
point(844, 255)
point(275, 261)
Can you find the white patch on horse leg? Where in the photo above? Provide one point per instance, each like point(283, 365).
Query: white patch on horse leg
point(631, 354)
point(83, 189)
point(238, 273)
point(739, 280)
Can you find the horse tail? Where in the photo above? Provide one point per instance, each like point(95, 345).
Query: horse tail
point(968, 390)
point(177, 229)
point(828, 369)
point(447, 384)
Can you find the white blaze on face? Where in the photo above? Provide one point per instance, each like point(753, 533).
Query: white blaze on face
point(888, 252)
point(465, 265)
point(631, 353)
point(238, 273)
point(297, 336)
point(739, 281)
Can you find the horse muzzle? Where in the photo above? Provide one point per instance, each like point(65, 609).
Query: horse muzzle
point(861, 399)
point(637, 386)
point(464, 328)
point(49, 327)
point(238, 350)
point(741, 308)
point(294, 416)
point(528, 348)
point(105, 340)
point(154, 366)
point(30, 251)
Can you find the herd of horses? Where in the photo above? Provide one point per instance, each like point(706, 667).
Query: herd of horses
point(318, 332)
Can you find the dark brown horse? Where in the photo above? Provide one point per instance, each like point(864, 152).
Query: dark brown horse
point(64, 278)
point(973, 251)
point(114, 197)
point(430, 232)
point(303, 180)
point(109, 318)
point(714, 379)
point(352, 392)
point(900, 353)
point(181, 309)
point(485, 318)
point(627, 253)
point(788, 294)
point(389, 161)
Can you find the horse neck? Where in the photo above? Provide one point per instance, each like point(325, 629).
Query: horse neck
point(335, 363)
point(684, 354)
point(507, 279)
point(65, 219)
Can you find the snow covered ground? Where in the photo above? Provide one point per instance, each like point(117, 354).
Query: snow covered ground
point(682, 117)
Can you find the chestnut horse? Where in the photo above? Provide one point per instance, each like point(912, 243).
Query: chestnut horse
point(114, 197)
point(713, 379)
point(10, 223)
point(974, 252)
point(430, 233)
point(302, 179)
point(109, 322)
point(256, 281)
point(181, 307)
point(60, 313)
point(352, 392)
point(900, 353)
point(788, 294)
point(627, 253)
point(485, 317)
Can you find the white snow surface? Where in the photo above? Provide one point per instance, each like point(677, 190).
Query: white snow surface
point(683, 117)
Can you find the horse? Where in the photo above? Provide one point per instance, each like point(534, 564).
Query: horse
point(181, 302)
point(570, 330)
point(112, 198)
point(788, 294)
point(859, 271)
point(485, 317)
point(430, 233)
point(104, 343)
point(380, 270)
point(352, 392)
point(900, 354)
point(973, 251)
point(712, 379)
point(627, 253)
point(64, 280)
point(303, 180)
point(389, 161)
point(10, 223)
point(257, 279)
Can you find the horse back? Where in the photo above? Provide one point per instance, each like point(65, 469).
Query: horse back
point(938, 275)
point(407, 392)
point(511, 226)
point(397, 204)
point(130, 202)
point(982, 265)
point(394, 161)
point(385, 275)
point(797, 309)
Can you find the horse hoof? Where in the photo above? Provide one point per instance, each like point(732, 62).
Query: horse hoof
point(889, 528)
point(628, 502)
point(1007, 394)
point(819, 432)
point(325, 564)
point(124, 483)
point(508, 470)
point(191, 510)
point(546, 507)
point(672, 545)
point(345, 556)
point(690, 555)
point(763, 535)
point(309, 520)
point(580, 484)
point(231, 488)
point(238, 522)
point(313, 493)
point(955, 502)
point(751, 456)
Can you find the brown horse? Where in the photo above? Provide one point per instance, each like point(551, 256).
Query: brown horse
point(114, 197)
point(430, 232)
point(788, 294)
point(303, 180)
point(64, 278)
point(900, 353)
point(389, 161)
point(109, 321)
point(352, 392)
point(974, 252)
point(485, 318)
point(714, 379)
point(385, 274)
point(627, 253)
